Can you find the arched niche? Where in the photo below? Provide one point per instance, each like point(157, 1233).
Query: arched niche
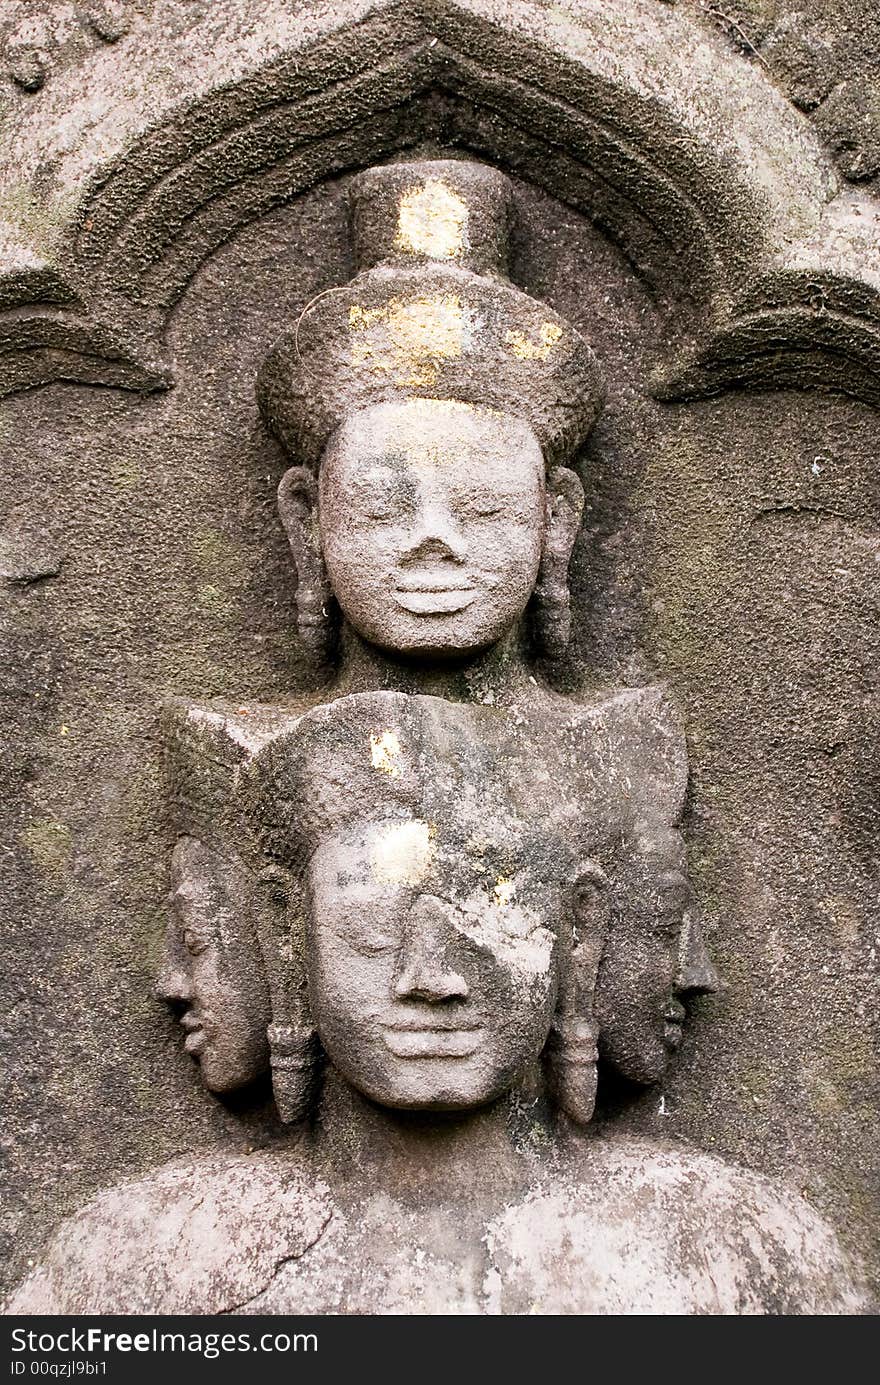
point(143, 163)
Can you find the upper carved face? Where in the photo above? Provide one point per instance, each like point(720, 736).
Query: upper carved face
point(432, 975)
point(212, 968)
point(432, 520)
point(655, 960)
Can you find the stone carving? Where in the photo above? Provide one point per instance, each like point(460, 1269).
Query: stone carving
point(448, 921)
point(821, 69)
point(213, 967)
point(692, 158)
point(461, 901)
point(439, 884)
point(438, 509)
point(440, 927)
point(621, 767)
point(31, 41)
point(433, 523)
point(488, 1220)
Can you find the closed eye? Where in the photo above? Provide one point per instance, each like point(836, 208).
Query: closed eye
point(373, 946)
point(377, 508)
point(369, 944)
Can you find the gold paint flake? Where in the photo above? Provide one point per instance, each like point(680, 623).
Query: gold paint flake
point(385, 752)
point(408, 338)
point(431, 221)
point(525, 350)
point(403, 853)
point(504, 891)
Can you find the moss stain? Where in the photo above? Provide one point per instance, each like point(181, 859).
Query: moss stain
point(49, 843)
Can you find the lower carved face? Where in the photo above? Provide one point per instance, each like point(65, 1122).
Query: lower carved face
point(211, 968)
point(432, 519)
point(432, 979)
point(656, 960)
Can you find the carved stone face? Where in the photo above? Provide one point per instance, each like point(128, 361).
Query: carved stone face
point(432, 976)
point(656, 960)
point(212, 969)
point(432, 519)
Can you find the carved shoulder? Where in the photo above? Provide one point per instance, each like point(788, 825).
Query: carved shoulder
point(199, 1236)
point(647, 1229)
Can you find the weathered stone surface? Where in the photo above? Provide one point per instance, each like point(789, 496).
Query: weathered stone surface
point(196, 1237)
point(710, 1239)
point(735, 225)
point(825, 57)
point(729, 545)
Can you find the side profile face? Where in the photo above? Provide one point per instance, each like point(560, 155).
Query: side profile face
point(655, 961)
point(212, 970)
point(432, 974)
point(432, 519)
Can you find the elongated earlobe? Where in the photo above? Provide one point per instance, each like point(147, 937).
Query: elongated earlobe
point(317, 615)
point(294, 1047)
point(551, 602)
point(294, 1054)
point(572, 1054)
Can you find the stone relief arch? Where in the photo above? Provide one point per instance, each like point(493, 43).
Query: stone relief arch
point(727, 204)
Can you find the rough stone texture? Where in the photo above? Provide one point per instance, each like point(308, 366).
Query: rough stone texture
point(825, 55)
point(430, 313)
point(548, 1234)
point(730, 545)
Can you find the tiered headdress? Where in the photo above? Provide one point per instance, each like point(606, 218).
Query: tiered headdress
point(429, 314)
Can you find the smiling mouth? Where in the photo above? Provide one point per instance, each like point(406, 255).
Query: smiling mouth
point(434, 593)
point(427, 1041)
point(196, 1039)
point(673, 1029)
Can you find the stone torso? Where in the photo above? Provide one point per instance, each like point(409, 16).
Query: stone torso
point(615, 1226)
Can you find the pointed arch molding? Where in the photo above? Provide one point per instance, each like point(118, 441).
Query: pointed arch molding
point(122, 177)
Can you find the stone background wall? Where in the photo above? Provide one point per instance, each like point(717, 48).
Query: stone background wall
point(730, 546)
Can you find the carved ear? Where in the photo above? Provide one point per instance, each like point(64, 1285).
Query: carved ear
point(315, 603)
point(294, 1048)
point(591, 916)
point(571, 1048)
point(565, 508)
point(551, 603)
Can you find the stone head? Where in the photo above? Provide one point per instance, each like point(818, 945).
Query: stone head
point(434, 523)
point(439, 919)
point(212, 969)
point(433, 969)
point(432, 405)
point(655, 960)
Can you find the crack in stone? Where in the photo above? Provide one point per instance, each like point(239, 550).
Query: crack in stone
point(278, 1267)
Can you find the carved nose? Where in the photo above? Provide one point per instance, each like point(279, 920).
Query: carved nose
point(436, 535)
point(696, 974)
point(423, 972)
point(173, 983)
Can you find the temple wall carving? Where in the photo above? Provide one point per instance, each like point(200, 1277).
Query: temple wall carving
point(440, 584)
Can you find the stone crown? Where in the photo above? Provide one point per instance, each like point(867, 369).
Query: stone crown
point(430, 314)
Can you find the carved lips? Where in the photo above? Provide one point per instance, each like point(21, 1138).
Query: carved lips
point(675, 1016)
point(196, 1038)
point(434, 593)
point(410, 1040)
